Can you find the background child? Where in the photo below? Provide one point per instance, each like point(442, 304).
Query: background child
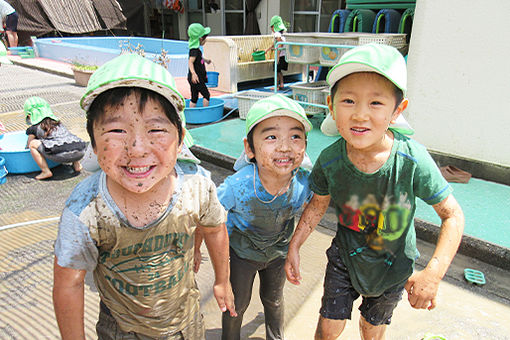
point(9, 16)
point(49, 139)
point(374, 175)
point(197, 75)
point(278, 28)
point(262, 199)
point(132, 223)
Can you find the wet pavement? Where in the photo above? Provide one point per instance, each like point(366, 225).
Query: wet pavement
point(30, 209)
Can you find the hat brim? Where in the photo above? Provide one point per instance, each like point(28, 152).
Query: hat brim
point(328, 126)
point(173, 97)
point(283, 113)
point(345, 69)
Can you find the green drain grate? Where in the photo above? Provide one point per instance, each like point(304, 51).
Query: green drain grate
point(474, 276)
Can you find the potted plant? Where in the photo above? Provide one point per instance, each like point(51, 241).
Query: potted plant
point(82, 73)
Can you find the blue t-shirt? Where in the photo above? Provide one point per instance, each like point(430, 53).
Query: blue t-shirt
point(261, 231)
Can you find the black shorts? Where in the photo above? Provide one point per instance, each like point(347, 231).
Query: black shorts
point(197, 88)
point(11, 22)
point(339, 295)
point(282, 64)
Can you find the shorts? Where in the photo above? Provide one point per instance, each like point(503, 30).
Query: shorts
point(339, 295)
point(197, 88)
point(108, 329)
point(282, 64)
point(70, 156)
point(11, 22)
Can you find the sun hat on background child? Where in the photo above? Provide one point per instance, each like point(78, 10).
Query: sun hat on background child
point(154, 77)
point(36, 109)
point(382, 59)
point(195, 32)
point(277, 23)
point(274, 106)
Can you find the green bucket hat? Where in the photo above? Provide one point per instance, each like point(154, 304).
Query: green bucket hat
point(195, 32)
point(276, 106)
point(382, 59)
point(132, 70)
point(38, 109)
point(3, 55)
point(277, 22)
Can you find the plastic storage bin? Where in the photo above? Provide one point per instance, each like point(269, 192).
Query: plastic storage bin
point(301, 54)
point(331, 56)
point(310, 93)
point(246, 99)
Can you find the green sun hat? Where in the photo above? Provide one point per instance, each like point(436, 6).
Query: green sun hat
point(195, 32)
point(277, 22)
point(3, 55)
point(132, 70)
point(38, 109)
point(382, 59)
point(276, 106)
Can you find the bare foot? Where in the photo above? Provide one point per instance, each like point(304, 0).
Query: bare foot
point(77, 166)
point(44, 175)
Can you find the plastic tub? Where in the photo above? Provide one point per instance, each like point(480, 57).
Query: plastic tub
point(3, 171)
point(203, 115)
point(301, 54)
point(18, 160)
point(310, 93)
point(212, 79)
point(259, 55)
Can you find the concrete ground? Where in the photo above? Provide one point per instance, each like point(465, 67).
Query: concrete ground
point(29, 213)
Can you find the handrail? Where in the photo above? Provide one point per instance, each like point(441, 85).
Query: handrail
point(279, 43)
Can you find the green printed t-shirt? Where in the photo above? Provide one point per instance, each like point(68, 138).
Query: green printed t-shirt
point(375, 211)
point(143, 275)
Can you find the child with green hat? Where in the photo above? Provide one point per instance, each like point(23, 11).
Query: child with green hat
point(373, 174)
point(262, 199)
point(133, 222)
point(197, 75)
point(49, 139)
point(278, 28)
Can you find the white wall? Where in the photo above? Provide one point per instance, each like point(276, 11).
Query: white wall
point(459, 78)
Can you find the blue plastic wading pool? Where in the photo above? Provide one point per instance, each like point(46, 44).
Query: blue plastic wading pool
point(203, 115)
point(18, 160)
point(3, 171)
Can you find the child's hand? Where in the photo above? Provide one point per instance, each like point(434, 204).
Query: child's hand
point(292, 267)
point(207, 61)
point(194, 78)
point(422, 289)
point(225, 298)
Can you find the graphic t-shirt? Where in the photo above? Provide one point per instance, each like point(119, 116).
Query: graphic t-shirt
point(143, 275)
point(261, 231)
point(375, 211)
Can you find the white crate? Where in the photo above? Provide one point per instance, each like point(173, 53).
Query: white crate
point(310, 93)
point(301, 54)
point(246, 99)
point(329, 56)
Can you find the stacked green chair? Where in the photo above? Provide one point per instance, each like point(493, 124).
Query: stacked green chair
point(360, 20)
point(386, 21)
point(406, 23)
point(338, 19)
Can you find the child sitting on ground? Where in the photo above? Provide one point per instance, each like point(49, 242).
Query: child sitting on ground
point(374, 174)
point(49, 139)
point(262, 198)
point(197, 75)
point(132, 222)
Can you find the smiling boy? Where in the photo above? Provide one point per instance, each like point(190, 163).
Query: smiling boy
point(373, 175)
point(132, 223)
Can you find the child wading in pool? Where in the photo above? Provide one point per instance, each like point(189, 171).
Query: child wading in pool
point(132, 223)
point(49, 139)
point(197, 75)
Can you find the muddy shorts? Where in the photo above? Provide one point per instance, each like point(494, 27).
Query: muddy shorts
point(62, 157)
point(108, 329)
point(339, 295)
point(11, 22)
